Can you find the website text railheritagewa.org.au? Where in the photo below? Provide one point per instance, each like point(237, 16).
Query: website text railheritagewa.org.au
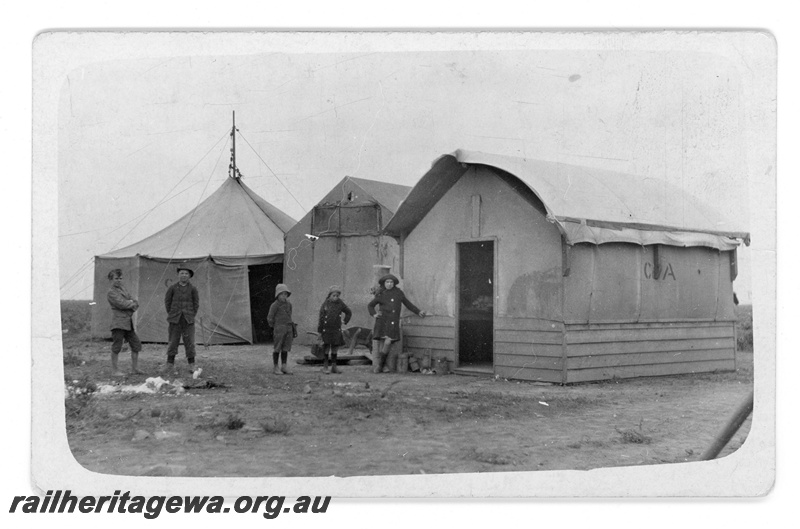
point(152, 506)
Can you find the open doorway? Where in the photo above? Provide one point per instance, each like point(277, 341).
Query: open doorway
point(263, 280)
point(476, 304)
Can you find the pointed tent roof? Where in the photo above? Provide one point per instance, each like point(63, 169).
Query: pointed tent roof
point(587, 204)
point(234, 222)
point(388, 195)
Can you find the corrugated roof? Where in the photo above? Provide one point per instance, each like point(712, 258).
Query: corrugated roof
point(233, 222)
point(577, 197)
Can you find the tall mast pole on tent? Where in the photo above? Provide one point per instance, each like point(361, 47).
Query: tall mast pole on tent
point(233, 170)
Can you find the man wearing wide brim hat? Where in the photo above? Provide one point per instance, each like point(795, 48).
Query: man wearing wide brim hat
point(182, 302)
point(387, 320)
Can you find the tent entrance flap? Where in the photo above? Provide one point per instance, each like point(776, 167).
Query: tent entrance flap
point(475, 303)
point(263, 280)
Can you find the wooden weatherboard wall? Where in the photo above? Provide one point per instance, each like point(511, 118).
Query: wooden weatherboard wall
point(605, 351)
point(436, 333)
point(529, 349)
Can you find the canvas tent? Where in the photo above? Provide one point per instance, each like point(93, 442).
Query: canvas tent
point(547, 271)
point(233, 241)
point(347, 248)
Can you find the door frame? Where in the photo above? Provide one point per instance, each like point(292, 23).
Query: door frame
point(456, 346)
point(277, 266)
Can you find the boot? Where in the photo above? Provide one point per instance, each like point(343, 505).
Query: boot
point(284, 360)
point(391, 362)
point(325, 369)
point(276, 358)
point(391, 357)
point(376, 355)
point(380, 360)
point(334, 369)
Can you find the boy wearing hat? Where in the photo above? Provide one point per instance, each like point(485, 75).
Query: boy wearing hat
point(279, 318)
point(387, 320)
point(122, 308)
point(182, 303)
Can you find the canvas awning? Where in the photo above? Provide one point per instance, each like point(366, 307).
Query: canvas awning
point(587, 204)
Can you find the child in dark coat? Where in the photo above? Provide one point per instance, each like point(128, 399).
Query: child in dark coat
point(330, 327)
point(390, 300)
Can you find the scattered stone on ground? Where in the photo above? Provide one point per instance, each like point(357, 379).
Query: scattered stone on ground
point(140, 435)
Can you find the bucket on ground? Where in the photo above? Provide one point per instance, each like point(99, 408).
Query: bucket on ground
point(402, 363)
point(413, 364)
point(426, 359)
point(441, 366)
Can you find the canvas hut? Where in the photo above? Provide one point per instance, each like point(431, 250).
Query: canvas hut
point(346, 248)
point(545, 271)
point(233, 241)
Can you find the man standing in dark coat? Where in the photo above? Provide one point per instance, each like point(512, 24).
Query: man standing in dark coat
point(182, 303)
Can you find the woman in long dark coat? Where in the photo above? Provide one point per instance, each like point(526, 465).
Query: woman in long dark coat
point(387, 320)
point(330, 326)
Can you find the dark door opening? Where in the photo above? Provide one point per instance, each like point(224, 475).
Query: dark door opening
point(263, 280)
point(476, 303)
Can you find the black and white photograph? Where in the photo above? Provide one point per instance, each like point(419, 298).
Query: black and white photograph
point(393, 264)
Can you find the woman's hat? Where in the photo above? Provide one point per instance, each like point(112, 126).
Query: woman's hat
point(191, 272)
point(334, 288)
point(282, 288)
point(382, 280)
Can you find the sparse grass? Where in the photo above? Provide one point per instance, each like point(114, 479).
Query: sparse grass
point(485, 404)
point(492, 457)
point(78, 401)
point(563, 403)
point(76, 318)
point(586, 442)
point(356, 404)
point(167, 415)
point(444, 411)
point(275, 426)
point(133, 396)
point(634, 436)
point(744, 327)
point(77, 408)
point(234, 422)
point(73, 358)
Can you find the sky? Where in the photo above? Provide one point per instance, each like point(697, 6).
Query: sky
point(143, 138)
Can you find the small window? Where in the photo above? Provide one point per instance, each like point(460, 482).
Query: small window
point(334, 220)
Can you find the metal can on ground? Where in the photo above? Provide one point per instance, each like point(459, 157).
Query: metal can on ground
point(402, 363)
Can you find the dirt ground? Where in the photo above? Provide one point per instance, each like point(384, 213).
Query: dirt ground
point(244, 421)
